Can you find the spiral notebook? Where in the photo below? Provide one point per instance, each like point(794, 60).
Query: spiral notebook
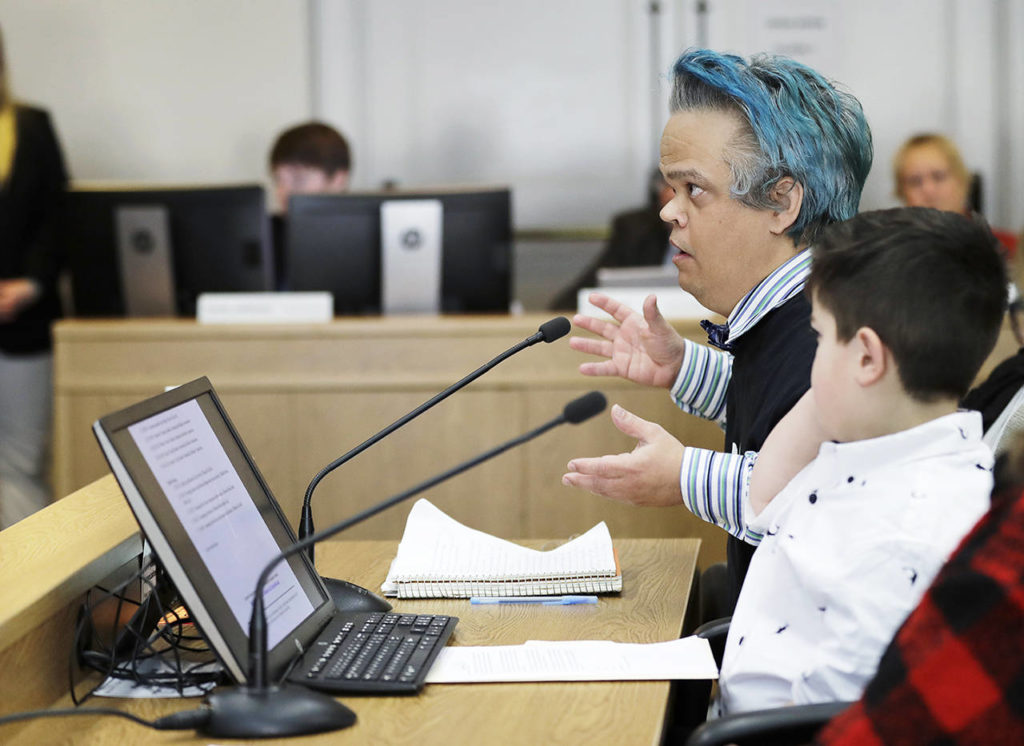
point(439, 557)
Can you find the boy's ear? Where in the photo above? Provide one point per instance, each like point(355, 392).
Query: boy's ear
point(788, 194)
point(873, 358)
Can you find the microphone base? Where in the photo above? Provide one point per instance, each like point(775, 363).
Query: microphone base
point(276, 711)
point(351, 597)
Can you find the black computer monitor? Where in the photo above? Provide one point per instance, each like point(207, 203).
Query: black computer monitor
point(153, 250)
point(333, 242)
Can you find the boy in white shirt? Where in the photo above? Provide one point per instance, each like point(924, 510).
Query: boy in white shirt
point(907, 304)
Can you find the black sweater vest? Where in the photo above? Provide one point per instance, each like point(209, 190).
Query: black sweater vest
point(771, 370)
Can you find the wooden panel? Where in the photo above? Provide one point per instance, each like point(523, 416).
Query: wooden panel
point(38, 551)
point(651, 608)
point(302, 395)
point(37, 666)
point(456, 430)
point(47, 562)
point(564, 511)
point(78, 460)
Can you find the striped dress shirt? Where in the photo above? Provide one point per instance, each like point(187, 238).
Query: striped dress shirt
point(715, 485)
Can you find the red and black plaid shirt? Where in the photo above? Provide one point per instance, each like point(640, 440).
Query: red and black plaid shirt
point(954, 674)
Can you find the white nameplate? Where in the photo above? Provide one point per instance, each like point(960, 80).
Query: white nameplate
point(659, 276)
point(672, 302)
point(264, 308)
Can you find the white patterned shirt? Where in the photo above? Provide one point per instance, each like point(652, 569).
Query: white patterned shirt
point(851, 544)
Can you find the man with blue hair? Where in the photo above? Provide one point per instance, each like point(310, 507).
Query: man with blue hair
point(761, 155)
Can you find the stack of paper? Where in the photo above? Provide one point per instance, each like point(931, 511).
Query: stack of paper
point(576, 660)
point(438, 557)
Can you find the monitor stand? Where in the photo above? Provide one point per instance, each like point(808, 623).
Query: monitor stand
point(411, 255)
point(144, 254)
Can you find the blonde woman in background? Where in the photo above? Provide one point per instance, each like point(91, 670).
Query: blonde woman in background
point(32, 182)
point(929, 172)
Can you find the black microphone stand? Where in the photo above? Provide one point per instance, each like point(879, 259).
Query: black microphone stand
point(348, 596)
point(259, 710)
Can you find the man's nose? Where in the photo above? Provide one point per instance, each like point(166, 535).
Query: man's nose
point(673, 213)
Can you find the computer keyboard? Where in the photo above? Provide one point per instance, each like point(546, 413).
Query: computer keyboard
point(374, 652)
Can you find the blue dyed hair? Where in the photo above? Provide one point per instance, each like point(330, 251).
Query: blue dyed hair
point(795, 123)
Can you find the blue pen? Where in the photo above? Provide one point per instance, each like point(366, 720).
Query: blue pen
point(541, 600)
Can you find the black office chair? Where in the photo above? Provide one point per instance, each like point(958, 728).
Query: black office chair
point(780, 726)
point(715, 593)
point(1007, 426)
point(976, 194)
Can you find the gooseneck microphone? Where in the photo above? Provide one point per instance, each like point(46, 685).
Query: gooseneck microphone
point(346, 595)
point(258, 709)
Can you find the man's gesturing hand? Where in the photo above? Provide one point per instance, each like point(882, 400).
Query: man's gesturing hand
point(643, 349)
point(647, 475)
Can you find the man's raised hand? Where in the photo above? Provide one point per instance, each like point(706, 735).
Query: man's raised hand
point(643, 349)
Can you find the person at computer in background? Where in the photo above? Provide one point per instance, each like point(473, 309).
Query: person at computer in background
point(928, 171)
point(32, 182)
point(638, 238)
point(907, 304)
point(309, 158)
point(761, 155)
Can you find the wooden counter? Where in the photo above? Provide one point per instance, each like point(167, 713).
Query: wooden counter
point(49, 560)
point(301, 395)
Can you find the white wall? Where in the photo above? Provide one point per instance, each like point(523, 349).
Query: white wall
point(560, 98)
point(916, 66)
point(182, 91)
point(550, 96)
point(1010, 142)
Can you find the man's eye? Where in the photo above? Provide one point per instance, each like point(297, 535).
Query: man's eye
point(695, 191)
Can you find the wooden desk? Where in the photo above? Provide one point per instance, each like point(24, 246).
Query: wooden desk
point(97, 532)
point(301, 395)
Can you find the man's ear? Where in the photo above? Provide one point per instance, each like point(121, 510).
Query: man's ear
point(788, 194)
point(873, 359)
point(338, 181)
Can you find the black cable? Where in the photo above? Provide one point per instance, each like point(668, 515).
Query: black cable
point(185, 720)
point(166, 643)
point(85, 620)
point(105, 661)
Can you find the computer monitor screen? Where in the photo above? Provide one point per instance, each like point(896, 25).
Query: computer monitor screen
point(333, 242)
point(152, 251)
point(213, 523)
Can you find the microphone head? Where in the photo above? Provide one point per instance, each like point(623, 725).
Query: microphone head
point(584, 407)
point(557, 328)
